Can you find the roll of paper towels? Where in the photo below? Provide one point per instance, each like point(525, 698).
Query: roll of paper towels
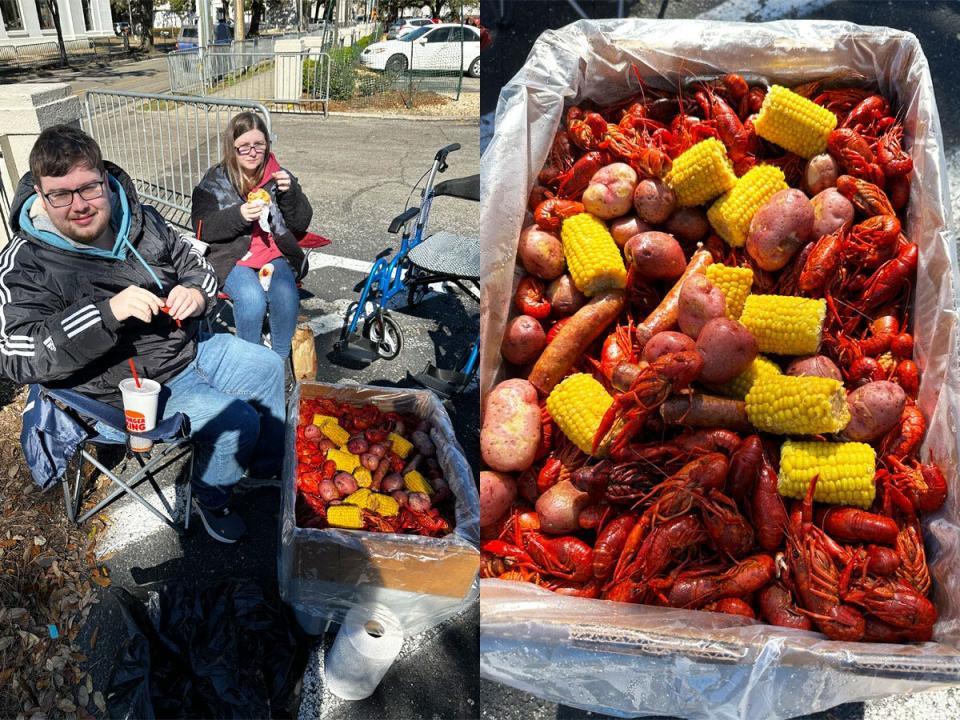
point(368, 642)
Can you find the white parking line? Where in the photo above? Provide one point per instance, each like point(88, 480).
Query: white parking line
point(319, 260)
point(757, 10)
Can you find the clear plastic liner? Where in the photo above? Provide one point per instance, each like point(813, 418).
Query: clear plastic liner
point(421, 580)
point(635, 660)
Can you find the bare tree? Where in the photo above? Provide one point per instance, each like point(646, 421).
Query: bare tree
point(55, 14)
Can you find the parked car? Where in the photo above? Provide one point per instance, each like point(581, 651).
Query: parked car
point(405, 26)
point(189, 38)
point(432, 47)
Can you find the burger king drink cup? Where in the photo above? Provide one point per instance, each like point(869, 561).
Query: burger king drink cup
point(140, 410)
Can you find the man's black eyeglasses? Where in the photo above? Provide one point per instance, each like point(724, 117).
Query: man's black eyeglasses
point(63, 198)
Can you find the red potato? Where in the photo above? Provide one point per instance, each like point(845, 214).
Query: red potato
point(497, 493)
point(816, 366)
point(626, 227)
point(523, 340)
point(654, 201)
point(820, 173)
point(559, 508)
point(875, 409)
point(510, 433)
point(655, 256)
point(779, 228)
point(312, 432)
point(700, 302)
point(564, 297)
point(831, 210)
point(610, 192)
point(541, 253)
point(688, 225)
point(727, 348)
point(666, 342)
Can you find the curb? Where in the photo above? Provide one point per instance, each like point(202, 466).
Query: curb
point(383, 116)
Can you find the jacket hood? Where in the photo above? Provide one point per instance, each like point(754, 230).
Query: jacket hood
point(117, 177)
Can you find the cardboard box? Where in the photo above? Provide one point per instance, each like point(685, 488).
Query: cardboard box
point(422, 580)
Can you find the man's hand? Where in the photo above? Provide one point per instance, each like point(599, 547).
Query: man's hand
point(183, 302)
point(283, 180)
point(135, 302)
point(251, 210)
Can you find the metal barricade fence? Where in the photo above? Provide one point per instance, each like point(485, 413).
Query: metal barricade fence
point(283, 81)
point(7, 233)
point(164, 142)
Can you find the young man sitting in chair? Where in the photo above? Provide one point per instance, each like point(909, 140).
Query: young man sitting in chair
point(93, 279)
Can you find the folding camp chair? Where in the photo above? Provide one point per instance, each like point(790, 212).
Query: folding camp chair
point(57, 429)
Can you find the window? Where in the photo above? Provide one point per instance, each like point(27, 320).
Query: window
point(463, 33)
point(441, 35)
point(11, 15)
point(87, 23)
point(46, 17)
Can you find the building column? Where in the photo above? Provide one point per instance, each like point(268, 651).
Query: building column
point(75, 8)
point(31, 21)
point(67, 24)
point(102, 10)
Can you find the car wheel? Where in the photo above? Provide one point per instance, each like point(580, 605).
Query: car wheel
point(396, 63)
point(474, 70)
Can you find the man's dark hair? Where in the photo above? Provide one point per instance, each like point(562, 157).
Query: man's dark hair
point(61, 148)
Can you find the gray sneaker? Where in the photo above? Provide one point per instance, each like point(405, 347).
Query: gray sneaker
point(222, 525)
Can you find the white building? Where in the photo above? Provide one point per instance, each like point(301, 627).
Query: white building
point(25, 22)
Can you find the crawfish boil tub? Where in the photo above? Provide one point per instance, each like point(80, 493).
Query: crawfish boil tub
point(421, 580)
point(633, 660)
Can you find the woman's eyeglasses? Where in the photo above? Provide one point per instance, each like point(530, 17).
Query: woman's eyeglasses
point(63, 198)
point(260, 148)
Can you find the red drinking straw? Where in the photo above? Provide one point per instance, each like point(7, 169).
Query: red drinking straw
point(136, 378)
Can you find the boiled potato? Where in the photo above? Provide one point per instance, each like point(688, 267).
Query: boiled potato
point(541, 253)
point(700, 301)
point(875, 409)
point(610, 192)
point(727, 348)
point(779, 228)
point(831, 210)
point(510, 433)
point(523, 340)
point(497, 493)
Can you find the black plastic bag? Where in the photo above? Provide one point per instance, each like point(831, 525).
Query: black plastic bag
point(226, 651)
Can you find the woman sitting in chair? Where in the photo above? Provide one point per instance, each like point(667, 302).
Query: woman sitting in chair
point(250, 211)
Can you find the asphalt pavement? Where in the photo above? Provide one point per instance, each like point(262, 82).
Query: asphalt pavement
point(517, 23)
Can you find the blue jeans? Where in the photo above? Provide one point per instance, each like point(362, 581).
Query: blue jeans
point(233, 394)
point(250, 304)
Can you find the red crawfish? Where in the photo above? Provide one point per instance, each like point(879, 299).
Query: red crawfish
point(530, 299)
point(747, 576)
point(777, 607)
point(550, 214)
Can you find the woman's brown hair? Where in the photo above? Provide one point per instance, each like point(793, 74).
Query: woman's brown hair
point(238, 125)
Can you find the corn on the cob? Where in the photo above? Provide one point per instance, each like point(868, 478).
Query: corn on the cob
point(741, 384)
point(363, 477)
point(321, 420)
point(731, 214)
point(346, 461)
point(400, 445)
point(345, 516)
point(384, 505)
point(336, 433)
point(783, 324)
point(734, 283)
point(845, 471)
point(413, 481)
point(360, 498)
point(701, 173)
point(577, 405)
point(794, 123)
point(788, 405)
point(593, 258)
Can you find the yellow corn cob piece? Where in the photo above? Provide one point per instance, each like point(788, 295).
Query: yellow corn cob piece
point(363, 477)
point(788, 405)
point(321, 420)
point(400, 445)
point(741, 384)
point(360, 498)
point(731, 214)
point(783, 324)
point(593, 258)
point(734, 283)
point(794, 123)
point(701, 173)
point(336, 433)
point(345, 516)
point(345, 461)
point(577, 404)
point(415, 482)
point(384, 505)
point(844, 471)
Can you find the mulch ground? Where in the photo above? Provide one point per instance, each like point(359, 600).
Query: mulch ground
point(48, 583)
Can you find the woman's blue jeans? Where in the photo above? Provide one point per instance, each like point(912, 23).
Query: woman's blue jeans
point(233, 394)
point(250, 304)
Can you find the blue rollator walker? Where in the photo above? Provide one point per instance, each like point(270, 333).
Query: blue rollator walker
point(420, 262)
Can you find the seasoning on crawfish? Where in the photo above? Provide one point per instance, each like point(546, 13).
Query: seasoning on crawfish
point(686, 505)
